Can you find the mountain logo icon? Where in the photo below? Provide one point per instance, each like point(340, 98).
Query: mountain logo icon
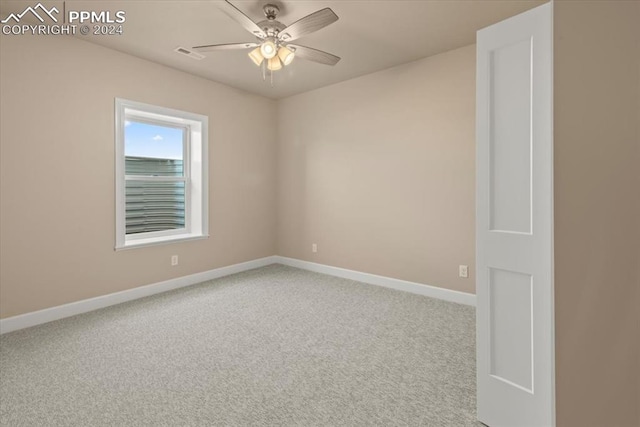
point(34, 11)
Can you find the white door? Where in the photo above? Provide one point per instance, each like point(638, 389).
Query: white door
point(515, 336)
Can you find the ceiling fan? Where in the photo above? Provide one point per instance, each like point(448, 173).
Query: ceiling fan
point(273, 49)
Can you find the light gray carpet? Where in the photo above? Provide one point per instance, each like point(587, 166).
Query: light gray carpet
point(271, 346)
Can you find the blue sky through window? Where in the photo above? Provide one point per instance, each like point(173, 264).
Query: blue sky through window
point(146, 140)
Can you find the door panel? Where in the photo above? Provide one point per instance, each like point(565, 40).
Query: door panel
point(510, 355)
point(515, 222)
point(510, 140)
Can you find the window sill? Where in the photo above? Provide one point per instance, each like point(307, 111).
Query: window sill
point(154, 241)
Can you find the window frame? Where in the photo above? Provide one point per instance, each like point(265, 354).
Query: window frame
point(195, 172)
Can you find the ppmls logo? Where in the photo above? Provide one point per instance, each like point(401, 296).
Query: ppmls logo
point(102, 22)
point(34, 12)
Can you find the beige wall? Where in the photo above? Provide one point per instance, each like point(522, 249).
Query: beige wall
point(57, 194)
point(379, 172)
point(597, 212)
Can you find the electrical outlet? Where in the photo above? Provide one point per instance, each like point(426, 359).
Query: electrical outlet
point(174, 259)
point(314, 247)
point(463, 271)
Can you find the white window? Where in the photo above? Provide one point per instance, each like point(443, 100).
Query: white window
point(161, 175)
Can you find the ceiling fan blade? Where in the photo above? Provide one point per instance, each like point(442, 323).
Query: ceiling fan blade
point(242, 19)
point(228, 46)
point(308, 24)
point(314, 55)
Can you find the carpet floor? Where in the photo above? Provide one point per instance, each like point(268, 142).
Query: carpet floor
point(271, 346)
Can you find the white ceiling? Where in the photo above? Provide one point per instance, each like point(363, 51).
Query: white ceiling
point(369, 36)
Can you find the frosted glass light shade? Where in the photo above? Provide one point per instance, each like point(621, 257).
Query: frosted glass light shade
point(274, 64)
point(268, 49)
point(286, 55)
point(256, 56)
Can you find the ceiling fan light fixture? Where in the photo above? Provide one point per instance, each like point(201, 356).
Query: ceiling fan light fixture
point(274, 64)
point(286, 55)
point(268, 49)
point(256, 56)
point(272, 51)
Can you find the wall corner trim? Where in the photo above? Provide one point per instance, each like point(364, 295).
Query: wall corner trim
point(34, 318)
point(387, 282)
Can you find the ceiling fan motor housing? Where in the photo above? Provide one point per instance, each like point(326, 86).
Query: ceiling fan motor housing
point(270, 26)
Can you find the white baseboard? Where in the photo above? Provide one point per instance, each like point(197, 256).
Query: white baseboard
point(67, 310)
point(54, 313)
point(387, 282)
